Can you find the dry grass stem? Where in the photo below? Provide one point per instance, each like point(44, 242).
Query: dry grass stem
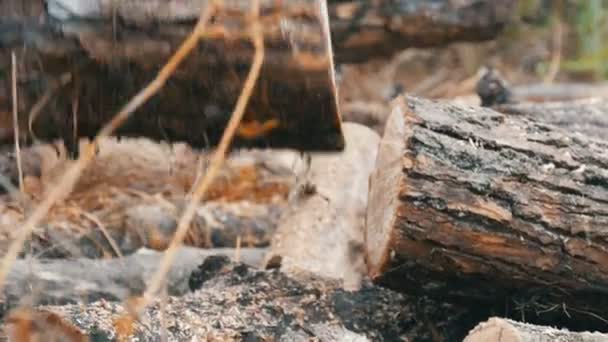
point(237, 251)
point(104, 231)
point(44, 100)
point(72, 174)
point(215, 163)
point(16, 120)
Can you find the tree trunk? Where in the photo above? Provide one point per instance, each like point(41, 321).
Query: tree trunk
point(472, 205)
point(504, 330)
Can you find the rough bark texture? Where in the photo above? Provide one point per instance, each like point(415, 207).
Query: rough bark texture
point(587, 117)
point(567, 91)
point(360, 29)
point(472, 205)
point(103, 62)
point(364, 29)
point(232, 302)
point(217, 225)
point(505, 330)
point(105, 54)
point(71, 281)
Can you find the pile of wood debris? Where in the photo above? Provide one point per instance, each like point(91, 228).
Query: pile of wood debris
point(437, 216)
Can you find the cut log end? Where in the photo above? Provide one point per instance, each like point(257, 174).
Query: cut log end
point(384, 187)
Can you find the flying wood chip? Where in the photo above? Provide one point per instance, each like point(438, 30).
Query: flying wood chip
point(109, 50)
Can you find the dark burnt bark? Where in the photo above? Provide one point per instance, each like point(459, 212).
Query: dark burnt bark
point(472, 205)
point(233, 302)
point(104, 62)
point(366, 29)
point(112, 54)
point(82, 280)
point(586, 116)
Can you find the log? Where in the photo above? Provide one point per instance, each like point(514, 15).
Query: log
point(321, 230)
point(38, 281)
point(363, 29)
point(556, 92)
point(360, 29)
point(584, 116)
point(233, 302)
point(471, 205)
point(87, 59)
point(506, 330)
point(135, 190)
point(217, 225)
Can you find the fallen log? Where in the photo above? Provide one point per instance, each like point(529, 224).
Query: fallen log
point(475, 206)
point(362, 29)
point(556, 92)
point(233, 302)
point(132, 195)
point(83, 60)
point(35, 281)
point(505, 330)
point(217, 225)
point(585, 116)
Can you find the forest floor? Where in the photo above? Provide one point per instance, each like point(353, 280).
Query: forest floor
point(132, 194)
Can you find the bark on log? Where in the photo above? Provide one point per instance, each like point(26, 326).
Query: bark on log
point(505, 330)
point(364, 29)
point(588, 116)
point(321, 231)
point(360, 29)
point(543, 92)
point(217, 225)
point(472, 205)
point(237, 303)
point(58, 282)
